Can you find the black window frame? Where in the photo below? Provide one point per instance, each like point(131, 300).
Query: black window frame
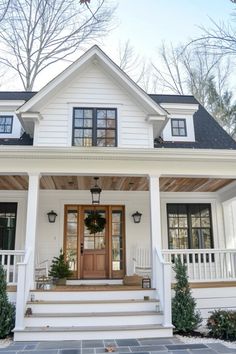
point(178, 127)
point(190, 227)
point(94, 127)
point(8, 208)
point(6, 116)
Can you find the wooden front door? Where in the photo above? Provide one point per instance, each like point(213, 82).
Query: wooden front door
point(93, 247)
point(95, 255)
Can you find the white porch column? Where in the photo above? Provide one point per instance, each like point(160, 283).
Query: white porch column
point(155, 219)
point(31, 221)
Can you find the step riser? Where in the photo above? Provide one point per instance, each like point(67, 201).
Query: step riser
point(92, 321)
point(91, 295)
point(83, 307)
point(125, 334)
point(95, 282)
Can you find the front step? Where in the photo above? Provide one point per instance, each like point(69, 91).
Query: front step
point(70, 314)
point(89, 319)
point(47, 306)
point(83, 333)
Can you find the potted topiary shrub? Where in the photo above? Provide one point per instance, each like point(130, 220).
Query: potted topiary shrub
point(60, 269)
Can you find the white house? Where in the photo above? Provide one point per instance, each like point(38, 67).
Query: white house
point(161, 155)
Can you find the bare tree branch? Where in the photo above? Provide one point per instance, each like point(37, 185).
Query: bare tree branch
point(38, 33)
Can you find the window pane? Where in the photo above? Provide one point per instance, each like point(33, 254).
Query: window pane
point(196, 238)
point(101, 142)
point(205, 222)
point(78, 133)
point(111, 123)
point(88, 113)
point(89, 243)
point(78, 113)
point(111, 134)
point(8, 120)
point(175, 131)
point(206, 238)
point(111, 114)
point(174, 123)
point(88, 123)
point(182, 210)
point(182, 132)
point(78, 123)
point(101, 123)
point(101, 133)
point(87, 142)
point(196, 222)
point(183, 222)
point(99, 243)
point(72, 228)
point(181, 123)
point(87, 133)
point(78, 142)
point(173, 222)
point(205, 212)
point(101, 113)
point(110, 142)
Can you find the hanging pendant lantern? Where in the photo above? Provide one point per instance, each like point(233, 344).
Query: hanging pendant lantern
point(96, 192)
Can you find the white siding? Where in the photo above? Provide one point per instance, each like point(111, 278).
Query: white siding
point(210, 299)
point(93, 88)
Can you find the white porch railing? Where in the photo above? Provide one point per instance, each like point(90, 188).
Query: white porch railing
point(9, 260)
point(205, 265)
point(162, 282)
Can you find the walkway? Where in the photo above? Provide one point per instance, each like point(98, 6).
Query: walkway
point(134, 346)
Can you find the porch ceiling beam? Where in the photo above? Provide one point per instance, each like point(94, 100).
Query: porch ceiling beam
point(117, 154)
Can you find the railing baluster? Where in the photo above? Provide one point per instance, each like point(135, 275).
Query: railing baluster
point(9, 260)
point(206, 264)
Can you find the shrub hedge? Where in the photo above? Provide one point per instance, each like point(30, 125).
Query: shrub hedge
point(222, 324)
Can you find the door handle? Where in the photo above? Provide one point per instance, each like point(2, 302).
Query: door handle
point(81, 248)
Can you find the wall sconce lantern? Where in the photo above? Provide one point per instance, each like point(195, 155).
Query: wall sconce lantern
point(137, 217)
point(52, 216)
point(96, 192)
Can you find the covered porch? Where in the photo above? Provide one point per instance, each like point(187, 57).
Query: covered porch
point(144, 244)
point(130, 246)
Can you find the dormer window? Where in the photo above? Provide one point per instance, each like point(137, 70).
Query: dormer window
point(178, 127)
point(6, 122)
point(94, 127)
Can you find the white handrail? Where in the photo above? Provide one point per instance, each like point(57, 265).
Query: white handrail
point(163, 285)
point(206, 265)
point(25, 269)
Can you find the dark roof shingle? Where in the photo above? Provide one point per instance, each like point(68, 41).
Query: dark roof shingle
point(16, 95)
point(208, 133)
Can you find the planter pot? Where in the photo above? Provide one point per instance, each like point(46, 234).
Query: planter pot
point(61, 281)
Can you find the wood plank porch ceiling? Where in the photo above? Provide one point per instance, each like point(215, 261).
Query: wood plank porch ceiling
point(167, 184)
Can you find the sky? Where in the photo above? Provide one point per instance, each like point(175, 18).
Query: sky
point(148, 23)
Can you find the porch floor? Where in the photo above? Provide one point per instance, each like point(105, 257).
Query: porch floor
point(102, 287)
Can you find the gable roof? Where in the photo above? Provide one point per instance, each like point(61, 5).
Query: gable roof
point(208, 133)
point(96, 56)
